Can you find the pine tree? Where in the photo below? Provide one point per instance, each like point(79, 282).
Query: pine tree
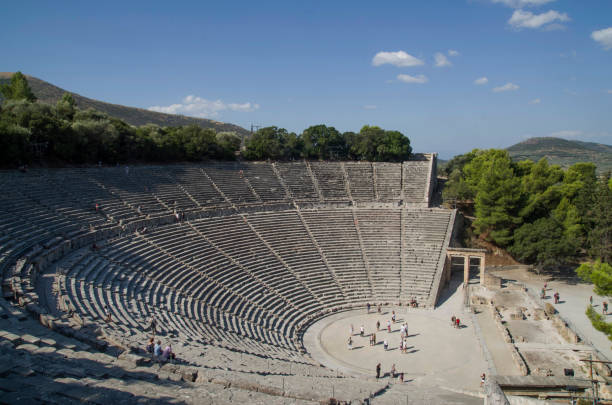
point(17, 89)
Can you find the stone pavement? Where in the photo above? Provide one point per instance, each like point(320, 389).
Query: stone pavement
point(574, 299)
point(442, 362)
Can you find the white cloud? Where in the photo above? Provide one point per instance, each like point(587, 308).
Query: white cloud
point(566, 134)
point(506, 87)
point(522, 3)
point(441, 60)
point(481, 80)
point(420, 79)
point(369, 107)
point(452, 52)
point(535, 101)
point(200, 107)
point(604, 37)
point(399, 59)
point(526, 19)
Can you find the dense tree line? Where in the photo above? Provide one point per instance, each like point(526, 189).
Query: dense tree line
point(542, 214)
point(30, 130)
point(322, 142)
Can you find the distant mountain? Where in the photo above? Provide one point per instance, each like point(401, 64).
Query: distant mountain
point(48, 93)
point(563, 152)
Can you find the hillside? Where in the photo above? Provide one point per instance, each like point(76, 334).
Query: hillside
point(563, 152)
point(48, 93)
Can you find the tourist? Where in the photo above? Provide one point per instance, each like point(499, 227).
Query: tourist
point(483, 377)
point(157, 350)
point(379, 309)
point(150, 346)
point(361, 330)
point(350, 343)
point(605, 308)
point(393, 316)
point(556, 295)
point(389, 326)
point(153, 325)
point(591, 300)
point(406, 329)
point(368, 306)
point(401, 345)
point(401, 377)
point(377, 325)
point(392, 370)
point(386, 344)
point(403, 331)
point(373, 339)
point(378, 371)
point(453, 319)
point(543, 294)
point(167, 354)
point(458, 323)
point(352, 330)
point(405, 346)
point(107, 313)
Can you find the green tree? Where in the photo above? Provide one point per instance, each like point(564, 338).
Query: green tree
point(229, 144)
point(17, 89)
point(269, 143)
point(496, 203)
point(323, 142)
point(66, 107)
point(599, 273)
point(542, 243)
point(600, 222)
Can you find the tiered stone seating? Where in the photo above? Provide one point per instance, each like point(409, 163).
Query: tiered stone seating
point(330, 178)
point(122, 183)
point(229, 178)
point(264, 181)
point(159, 183)
point(415, 181)
point(286, 235)
point(380, 232)
point(242, 272)
point(388, 181)
point(424, 232)
point(361, 180)
point(340, 246)
point(197, 185)
point(298, 180)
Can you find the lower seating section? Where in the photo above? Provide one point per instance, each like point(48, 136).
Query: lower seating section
point(340, 246)
point(361, 180)
point(380, 234)
point(423, 251)
point(251, 282)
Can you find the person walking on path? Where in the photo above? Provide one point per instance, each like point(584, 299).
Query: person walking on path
point(458, 323)
point(373, 339)
point(368, 306)
point(361, 330)
point(386, 344)
point(393, 316)
point(389, 326)
point(453, 321)
point(556, 297)
point(591, 300)
point(605, 308)
point(350, 343)
point(392, 370)
point(377, 325)
point(378, 371)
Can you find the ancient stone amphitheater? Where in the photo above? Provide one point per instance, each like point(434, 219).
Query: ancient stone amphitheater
point(234, 260)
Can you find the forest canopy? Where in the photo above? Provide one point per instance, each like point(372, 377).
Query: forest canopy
point(63, 133)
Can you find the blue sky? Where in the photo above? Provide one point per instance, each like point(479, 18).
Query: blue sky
point(547, 63)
